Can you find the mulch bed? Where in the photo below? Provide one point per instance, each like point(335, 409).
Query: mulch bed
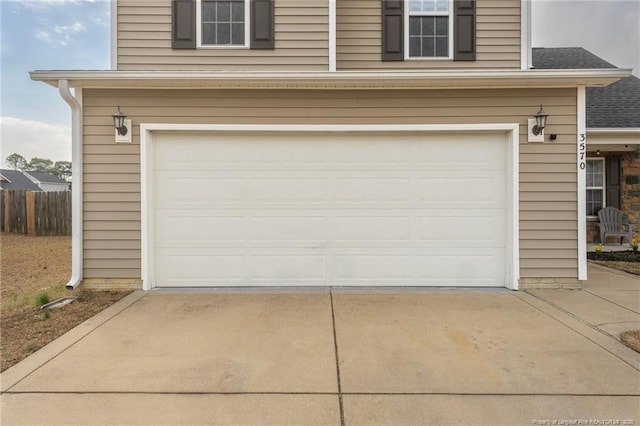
point(615, 256)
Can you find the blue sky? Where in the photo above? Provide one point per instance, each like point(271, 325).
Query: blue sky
point(46, 34)
point(75, 34)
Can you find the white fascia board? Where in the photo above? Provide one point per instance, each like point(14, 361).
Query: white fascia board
point(621, 131)
point(525, 34)
point(332, 35)
point(114, 34)
point(336, 80)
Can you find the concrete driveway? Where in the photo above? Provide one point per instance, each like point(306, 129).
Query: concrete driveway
point(334, 357)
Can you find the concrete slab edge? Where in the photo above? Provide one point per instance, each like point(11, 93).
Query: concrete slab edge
point(15, 374)
point(600, 338)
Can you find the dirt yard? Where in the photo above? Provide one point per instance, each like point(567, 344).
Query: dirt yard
point(630, 267)
point(36, 269)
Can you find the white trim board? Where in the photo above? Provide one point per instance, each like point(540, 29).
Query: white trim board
point(582, 181)
point(525, 34)
point(332, 35)
point(148, 130)
point(114, 34)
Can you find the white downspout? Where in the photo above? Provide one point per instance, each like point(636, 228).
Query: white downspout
point(76, 189)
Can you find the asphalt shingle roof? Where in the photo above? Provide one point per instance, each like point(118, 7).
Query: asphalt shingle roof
point(45, 177)
point(616, 105)
point(16, 180)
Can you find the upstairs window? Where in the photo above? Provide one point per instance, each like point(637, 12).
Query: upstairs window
point(223, 23)
point(429, 28)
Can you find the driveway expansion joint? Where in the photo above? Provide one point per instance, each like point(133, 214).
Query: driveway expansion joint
point(612, 302)
point(335, 347)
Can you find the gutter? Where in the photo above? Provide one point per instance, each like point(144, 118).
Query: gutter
point(76, 189)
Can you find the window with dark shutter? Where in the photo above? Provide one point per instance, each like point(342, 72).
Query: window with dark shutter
point(435, 29)
point(223, 23)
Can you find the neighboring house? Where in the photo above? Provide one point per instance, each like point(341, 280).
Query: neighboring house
point(31, 181)
point(613, 137)
point(322, 142)
point(46, 181)
point(16, 180)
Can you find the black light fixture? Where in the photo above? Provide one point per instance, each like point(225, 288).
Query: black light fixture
point(118, 122)
point(541, 121)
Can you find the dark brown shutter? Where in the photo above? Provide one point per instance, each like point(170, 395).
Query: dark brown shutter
point(464, 30)
point(183, 28)
point(392, 30)
point(613, 174)
point(262, 35)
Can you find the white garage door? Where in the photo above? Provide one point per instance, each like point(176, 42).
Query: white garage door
point(309, 209)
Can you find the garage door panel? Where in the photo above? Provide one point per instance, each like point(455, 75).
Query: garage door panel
point(357, 189)
point(185, 229)
point(482, 189)
point(474, 227)
point(288, 228)
point(478, 152)
point(387, 267)
point(182, 191)
point(187, 268)
point(364, 229)
point(369, 149)
point(286, 267)
point(466, 265)
point(289, 190)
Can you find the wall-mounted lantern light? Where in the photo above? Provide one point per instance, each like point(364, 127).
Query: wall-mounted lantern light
point(541, 121)
point(118, 122)
point(123, 127)
point(537, 125)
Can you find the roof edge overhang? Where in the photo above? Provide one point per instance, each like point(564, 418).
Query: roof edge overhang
point(621, 131)
point(341, 80)
point(613, 138)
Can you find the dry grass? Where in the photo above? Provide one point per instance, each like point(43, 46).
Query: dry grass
point(34, 269)
point(631, 339)
point(630, 267)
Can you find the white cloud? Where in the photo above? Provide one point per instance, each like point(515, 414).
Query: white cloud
point(34, 139)
point(61, 34)
point(45, 4)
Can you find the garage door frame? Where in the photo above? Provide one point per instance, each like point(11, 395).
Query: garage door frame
point(149, 130)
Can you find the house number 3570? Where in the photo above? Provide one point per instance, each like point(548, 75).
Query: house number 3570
point(582, 152)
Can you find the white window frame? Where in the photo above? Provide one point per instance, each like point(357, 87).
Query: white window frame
point(247, 33)
point(407, 14)
point(604, 185)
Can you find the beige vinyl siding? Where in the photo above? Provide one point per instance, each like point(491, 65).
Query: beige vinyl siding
point(301, 40)
point(359, 35)
point(548, 213)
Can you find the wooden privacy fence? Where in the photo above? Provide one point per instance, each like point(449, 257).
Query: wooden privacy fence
point(36, 213)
